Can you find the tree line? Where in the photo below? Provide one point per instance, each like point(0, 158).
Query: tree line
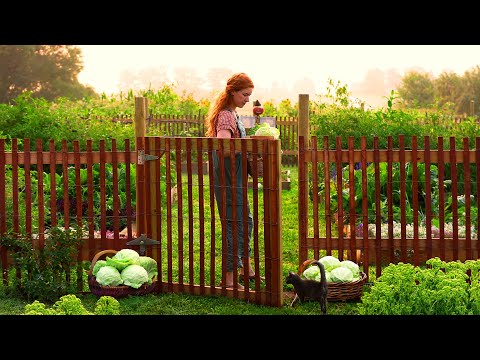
point(449, 91)
point(51, 71)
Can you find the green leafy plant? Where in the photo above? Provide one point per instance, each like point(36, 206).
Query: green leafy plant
point(46, 270)
point(107, 305)
point(443, 288)
point(70, 305)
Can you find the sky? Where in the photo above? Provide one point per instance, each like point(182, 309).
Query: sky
point(266, 64)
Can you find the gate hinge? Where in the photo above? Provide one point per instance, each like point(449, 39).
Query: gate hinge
point(143, 241)
point(142, 157)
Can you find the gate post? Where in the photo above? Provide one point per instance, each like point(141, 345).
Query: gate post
point(273, 221)
point(141, 111)
point(303, 131)
point(303, 118)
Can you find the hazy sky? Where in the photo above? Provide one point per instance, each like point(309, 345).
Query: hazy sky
point(266, 64)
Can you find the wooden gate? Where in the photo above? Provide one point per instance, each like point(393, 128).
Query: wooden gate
point(176, 210)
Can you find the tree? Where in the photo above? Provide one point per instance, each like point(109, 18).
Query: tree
point(448, 90)
point(47, 71)
point(416, 89)
point(471, 91)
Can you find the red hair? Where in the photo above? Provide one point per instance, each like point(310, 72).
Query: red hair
point(236, 82)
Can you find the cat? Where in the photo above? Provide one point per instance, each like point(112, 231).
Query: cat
point(312, 289)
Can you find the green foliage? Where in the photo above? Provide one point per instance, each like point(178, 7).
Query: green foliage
point(470, 92)
point(45, 270)
point(443, 288)
point(417, 89)
point(382, 191)
point(38, 119)
point(97, 200)
point(448, 89)
point(346, 121)
point(449, 92)
point(47, 71)
point(286, 108)
point(269, 109)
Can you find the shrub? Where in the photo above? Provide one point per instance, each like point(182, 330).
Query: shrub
point(45, 270)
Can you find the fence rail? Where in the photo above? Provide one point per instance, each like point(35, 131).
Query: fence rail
point(194, 125)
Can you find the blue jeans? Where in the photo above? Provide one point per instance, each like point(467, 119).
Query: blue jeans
point(241, 236)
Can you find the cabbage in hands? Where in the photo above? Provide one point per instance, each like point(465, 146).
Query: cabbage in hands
point(266, 130)
point(134, 276)
point(109, 276)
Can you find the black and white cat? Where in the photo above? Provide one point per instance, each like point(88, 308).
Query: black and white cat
point(311, 289)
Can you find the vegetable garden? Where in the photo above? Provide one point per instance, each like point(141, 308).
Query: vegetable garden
point(102, 192)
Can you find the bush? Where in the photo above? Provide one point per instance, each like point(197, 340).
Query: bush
point(46, 271)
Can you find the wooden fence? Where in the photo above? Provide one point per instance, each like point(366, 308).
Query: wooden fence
point(109, 190)
point(431, 195)
point(145, 193)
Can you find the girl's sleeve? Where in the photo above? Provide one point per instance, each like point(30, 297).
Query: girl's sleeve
point(226, 121)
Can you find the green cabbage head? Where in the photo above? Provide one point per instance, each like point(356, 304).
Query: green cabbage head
point(150, 265)
point(341, 274)
point(353, 266)
point(134, 276)
point(109, 276)
point(329, 262)
point(97, 266)
point(123, 258)
point(312, 272)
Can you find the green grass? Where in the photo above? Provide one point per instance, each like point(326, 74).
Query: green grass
point(183, 304)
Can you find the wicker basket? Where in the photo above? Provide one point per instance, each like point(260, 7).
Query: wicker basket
point(341, 291)
point(114, 291)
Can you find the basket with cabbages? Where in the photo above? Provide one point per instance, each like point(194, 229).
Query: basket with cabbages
point(344, 279)
point(122, 273)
